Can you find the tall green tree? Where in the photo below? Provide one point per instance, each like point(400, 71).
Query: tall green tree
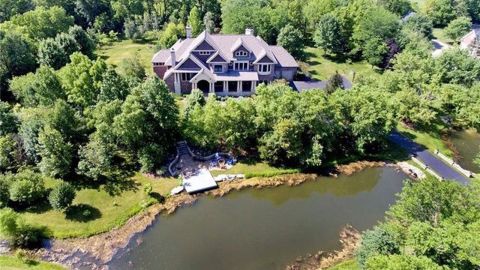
point(292, 40)
point(195, 21)
point(55, 152)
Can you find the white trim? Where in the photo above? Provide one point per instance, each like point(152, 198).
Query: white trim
point(218, 53)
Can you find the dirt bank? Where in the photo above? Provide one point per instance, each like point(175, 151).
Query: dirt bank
point(96, 251)
point(350, 239)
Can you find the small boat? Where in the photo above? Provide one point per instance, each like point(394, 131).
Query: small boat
point(177, 190)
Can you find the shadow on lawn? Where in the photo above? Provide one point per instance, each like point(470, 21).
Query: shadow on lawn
point(82, 213)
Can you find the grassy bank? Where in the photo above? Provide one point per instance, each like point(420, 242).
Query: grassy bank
point(321, 67)
point(13, 263)
point(97, 210)
point(260, 169)
point(346, 265)
point(118, 51)
point(431, 139)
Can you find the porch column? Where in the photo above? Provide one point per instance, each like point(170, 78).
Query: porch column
point(176, 83)
point(194, 85)
point(239, 87)
point(253, 86)
point(225, 87)
point(212, 89)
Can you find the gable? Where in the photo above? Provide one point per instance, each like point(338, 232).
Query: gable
point(204, 46)
point(265, 59)
point(241, 48)
point(189, 65)
point(218, 59)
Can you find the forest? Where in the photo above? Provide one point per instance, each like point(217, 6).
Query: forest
point(67, 114)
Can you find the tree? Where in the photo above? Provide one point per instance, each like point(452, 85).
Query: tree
point(171, 34)
point(8, 8)
point(26, 187)
point(399, 262)
point(61, 197)
point(457, 66)
point(81, 79)
point(328, 35)
point(51, 53)
point(458, 27)
point(292, 40)
point(283, 144)
point(8, 121)
point(131, 29)
point(399, 7)
point(56, 154)
point(195, 21)
point(40, 23)
point(335, 82)
point(420, 23)
point(133, 68)
point(195, 98)
point(8, 149)
point(378, 241)
point(441, 12)
point(208, 22)
point(114, 86)
point(149, 118)
point(83, 39)
point(8, 222)
point(42, 88)
point(17, 57)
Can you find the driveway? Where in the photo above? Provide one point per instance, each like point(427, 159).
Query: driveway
point(429, 159)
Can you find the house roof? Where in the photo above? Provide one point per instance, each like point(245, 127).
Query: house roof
point(283, 57)
point(302, 86)
point(225, 45)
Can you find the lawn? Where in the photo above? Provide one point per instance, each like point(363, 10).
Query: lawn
point(13, 263)
point(322, 68)
point(118, 51)
point(106, 207)
point(439, 33)
point(346, 265)
point(259, 169)
point(431, 139)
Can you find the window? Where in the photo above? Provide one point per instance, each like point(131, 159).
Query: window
point(264, 68)
point(186, 76)
point(247, 86)
point(204, 52)
point(241, 53)
point(241, 66)
point(217, 68)
point(218, 87)
point(159, 64)
point(232, 86)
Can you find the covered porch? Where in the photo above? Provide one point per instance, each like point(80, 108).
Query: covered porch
point(232, 83)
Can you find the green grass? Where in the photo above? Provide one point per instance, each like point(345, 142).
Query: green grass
point(430, 139)
point(107, 211)
point(13, 263)
point(260, 169)
point(439, 33)
point(322, 68)
point(346, 265)
point(118, 51)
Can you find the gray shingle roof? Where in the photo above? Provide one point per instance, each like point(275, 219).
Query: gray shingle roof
point(225, 43)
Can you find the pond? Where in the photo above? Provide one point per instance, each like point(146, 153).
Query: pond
point(263, 229)
point(467, 146)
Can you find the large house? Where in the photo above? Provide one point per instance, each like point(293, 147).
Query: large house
point(471, 42)
point(227, 65)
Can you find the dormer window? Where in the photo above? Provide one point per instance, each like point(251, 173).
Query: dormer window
point(217, 68)
point(241, 53)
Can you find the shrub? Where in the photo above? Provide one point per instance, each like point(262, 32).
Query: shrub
point(378, 241)
point(61, 197)
point(4, 194)
point(26, 187)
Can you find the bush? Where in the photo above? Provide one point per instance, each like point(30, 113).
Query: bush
point(378, 241)
point(26, 187)
point(61, 197)
point(458, 28)
point(20, 234)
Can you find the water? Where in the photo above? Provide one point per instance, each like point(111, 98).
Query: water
point(467, 145)
point(263, 229)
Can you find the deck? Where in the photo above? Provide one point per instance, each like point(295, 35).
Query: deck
point(199, 181)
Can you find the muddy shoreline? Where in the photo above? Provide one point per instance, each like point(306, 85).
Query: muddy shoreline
point(349, 238)
point(97, 251)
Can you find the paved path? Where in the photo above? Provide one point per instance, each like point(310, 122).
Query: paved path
point(429, 159)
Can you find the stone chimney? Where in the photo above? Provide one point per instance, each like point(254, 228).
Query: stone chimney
point(249, 31)
point(173, 57)
point(188, 31)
